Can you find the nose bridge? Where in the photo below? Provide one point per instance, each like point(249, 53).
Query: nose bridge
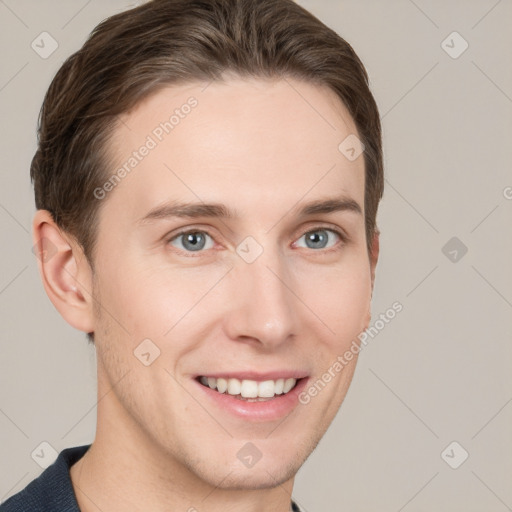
point(266, 306)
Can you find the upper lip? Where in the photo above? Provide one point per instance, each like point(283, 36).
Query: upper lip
point(274, 375)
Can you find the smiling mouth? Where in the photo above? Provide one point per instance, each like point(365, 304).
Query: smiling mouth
point(249, 390)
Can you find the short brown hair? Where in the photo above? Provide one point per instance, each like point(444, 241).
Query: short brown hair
point(133, 54)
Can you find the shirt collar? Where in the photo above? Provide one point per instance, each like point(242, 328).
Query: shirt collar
point(53, 489)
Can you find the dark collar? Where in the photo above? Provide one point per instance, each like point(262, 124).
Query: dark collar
point(53, 491)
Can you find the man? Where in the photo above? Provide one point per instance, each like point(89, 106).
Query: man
point(207, 183)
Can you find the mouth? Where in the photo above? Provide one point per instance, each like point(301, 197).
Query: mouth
point(251, 390)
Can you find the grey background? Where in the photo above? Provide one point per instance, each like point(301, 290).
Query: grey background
point(438, 372)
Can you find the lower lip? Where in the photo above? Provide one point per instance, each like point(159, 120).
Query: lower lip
point(268, 410)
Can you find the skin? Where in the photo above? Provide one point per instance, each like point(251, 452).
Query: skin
point(258, 147)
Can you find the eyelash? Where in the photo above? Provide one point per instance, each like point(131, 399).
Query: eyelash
point(343, 237)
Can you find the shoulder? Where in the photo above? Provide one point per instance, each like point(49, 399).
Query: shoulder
point(51, 490)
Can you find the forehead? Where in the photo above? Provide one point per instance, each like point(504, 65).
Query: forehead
point(245, 141)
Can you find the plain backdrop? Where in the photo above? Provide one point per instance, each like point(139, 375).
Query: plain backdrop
point(434, 385)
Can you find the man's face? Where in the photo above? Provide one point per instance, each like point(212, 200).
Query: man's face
point(267, 292)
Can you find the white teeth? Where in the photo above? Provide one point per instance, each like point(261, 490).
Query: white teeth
point(288, 384)
point(222, 385)
point(234, 386)
point(267, 388)
point(250, 388)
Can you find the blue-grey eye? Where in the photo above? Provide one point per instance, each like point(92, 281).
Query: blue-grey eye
point(192, 241)
point(319, 239)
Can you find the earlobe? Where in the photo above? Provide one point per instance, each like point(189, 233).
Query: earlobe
point(65, 272)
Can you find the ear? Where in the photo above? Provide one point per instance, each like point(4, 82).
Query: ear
point(375, 255)
point(65, 272)
point(373, 264)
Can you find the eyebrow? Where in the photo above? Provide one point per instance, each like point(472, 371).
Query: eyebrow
point(195, 210)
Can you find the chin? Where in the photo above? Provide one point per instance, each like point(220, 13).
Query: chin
point(271, 470)
point(264, 477)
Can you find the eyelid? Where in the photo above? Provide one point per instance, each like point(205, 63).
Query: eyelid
point(328, 227)
point(184, 231)
point(344, 239)
point(321, 225)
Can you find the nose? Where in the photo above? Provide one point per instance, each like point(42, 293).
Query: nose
point(262, 304)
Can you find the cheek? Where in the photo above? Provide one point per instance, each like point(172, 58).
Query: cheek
point(340, 296)
point(150, 300)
